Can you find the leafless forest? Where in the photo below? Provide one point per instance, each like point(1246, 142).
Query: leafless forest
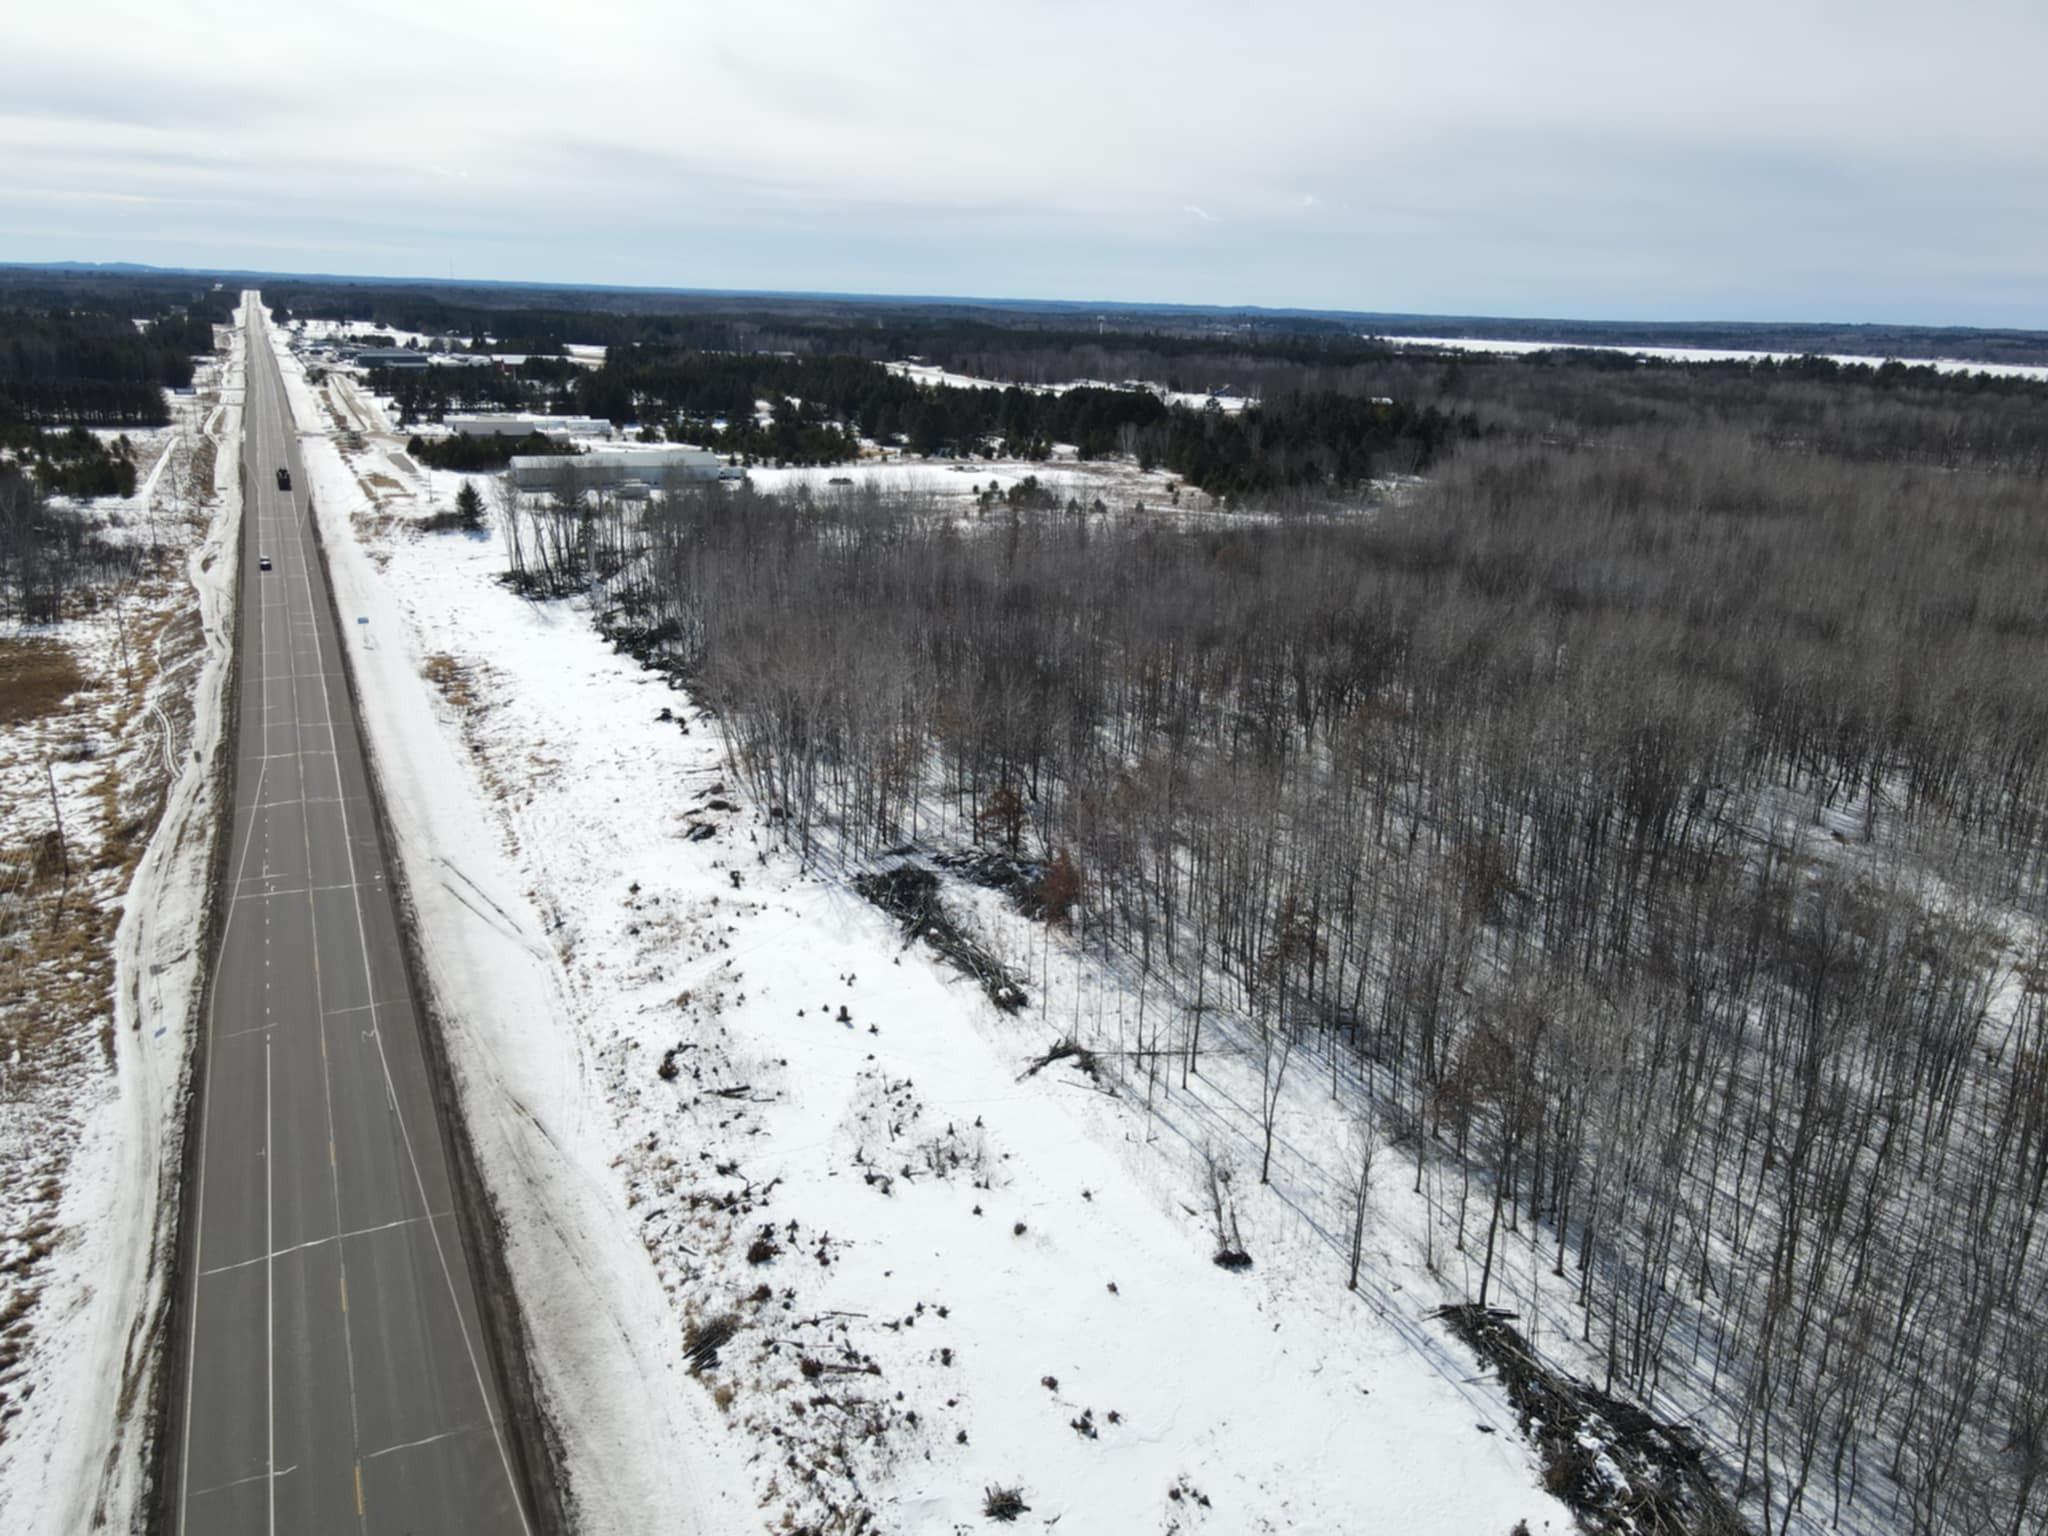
point(1646, 814)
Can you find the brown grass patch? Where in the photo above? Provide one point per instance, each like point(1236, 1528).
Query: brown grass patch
point(199, 475)
point(123, 726)
point(36, 676)
point(373, 527)
point(58, 955)
point(452, 679)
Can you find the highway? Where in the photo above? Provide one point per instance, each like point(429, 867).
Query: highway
point(335, 1374)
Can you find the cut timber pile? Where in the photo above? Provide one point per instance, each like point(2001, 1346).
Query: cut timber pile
point(1620, 1470)
point(910, 894)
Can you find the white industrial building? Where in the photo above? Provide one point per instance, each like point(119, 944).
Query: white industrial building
point(634, 473)
point(494, 425)
point(387, 357)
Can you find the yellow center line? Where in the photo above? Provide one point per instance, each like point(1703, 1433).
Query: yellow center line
point(344, 1293)
point(359, 1490)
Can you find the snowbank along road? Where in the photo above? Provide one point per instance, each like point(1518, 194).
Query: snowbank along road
point(336, 1377)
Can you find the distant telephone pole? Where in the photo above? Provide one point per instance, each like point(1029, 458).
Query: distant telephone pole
point(57, 811)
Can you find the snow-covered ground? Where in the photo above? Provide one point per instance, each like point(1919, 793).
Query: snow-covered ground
point(1711, 354)
point(723, 1107)
point(932, 375)
point(1118, 484)
point(89, 1104)
point(318, 332)
point(359, 332)
point(1195, 400)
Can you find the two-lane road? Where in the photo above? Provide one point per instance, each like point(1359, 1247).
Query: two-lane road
point(336, 1377)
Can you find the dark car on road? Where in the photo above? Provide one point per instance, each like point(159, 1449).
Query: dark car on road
point(284, 479)
point(263, 562)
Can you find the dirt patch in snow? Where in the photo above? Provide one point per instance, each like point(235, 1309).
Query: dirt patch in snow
point(36, 676)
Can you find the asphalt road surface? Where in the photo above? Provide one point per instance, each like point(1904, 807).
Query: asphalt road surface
point(336, 1375)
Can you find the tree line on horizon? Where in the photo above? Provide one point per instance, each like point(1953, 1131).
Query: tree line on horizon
point(891, 329)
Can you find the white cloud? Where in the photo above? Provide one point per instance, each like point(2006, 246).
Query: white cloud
point(1516, 147)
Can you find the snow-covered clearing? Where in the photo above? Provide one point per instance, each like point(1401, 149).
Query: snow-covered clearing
point(102, 980)
point(1121, 485)
point(962, 488)
point(1712, 354)
point(359, 333)
point(729, 1117)
point(933, 376)
point(1229, 403)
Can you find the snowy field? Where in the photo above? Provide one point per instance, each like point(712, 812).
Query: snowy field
point(801, 1237)
point(359, 332)
point(102, 981)
point(933, 376)
point(1118, 485)
point(1711, 355)
point(316, 332)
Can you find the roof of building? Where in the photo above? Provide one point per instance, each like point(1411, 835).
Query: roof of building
point(650, 469)
point(518, 425)
point(618, 458)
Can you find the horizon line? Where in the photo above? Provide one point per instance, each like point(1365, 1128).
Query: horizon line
point(1157, 306)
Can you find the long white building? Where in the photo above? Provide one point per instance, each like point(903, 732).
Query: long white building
point(526, 426)
point(620, 470)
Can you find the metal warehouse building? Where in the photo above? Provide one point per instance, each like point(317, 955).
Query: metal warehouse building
point(620, 471)
point(390, 357)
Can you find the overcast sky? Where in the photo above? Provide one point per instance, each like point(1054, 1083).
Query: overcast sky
point(1799, 159)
